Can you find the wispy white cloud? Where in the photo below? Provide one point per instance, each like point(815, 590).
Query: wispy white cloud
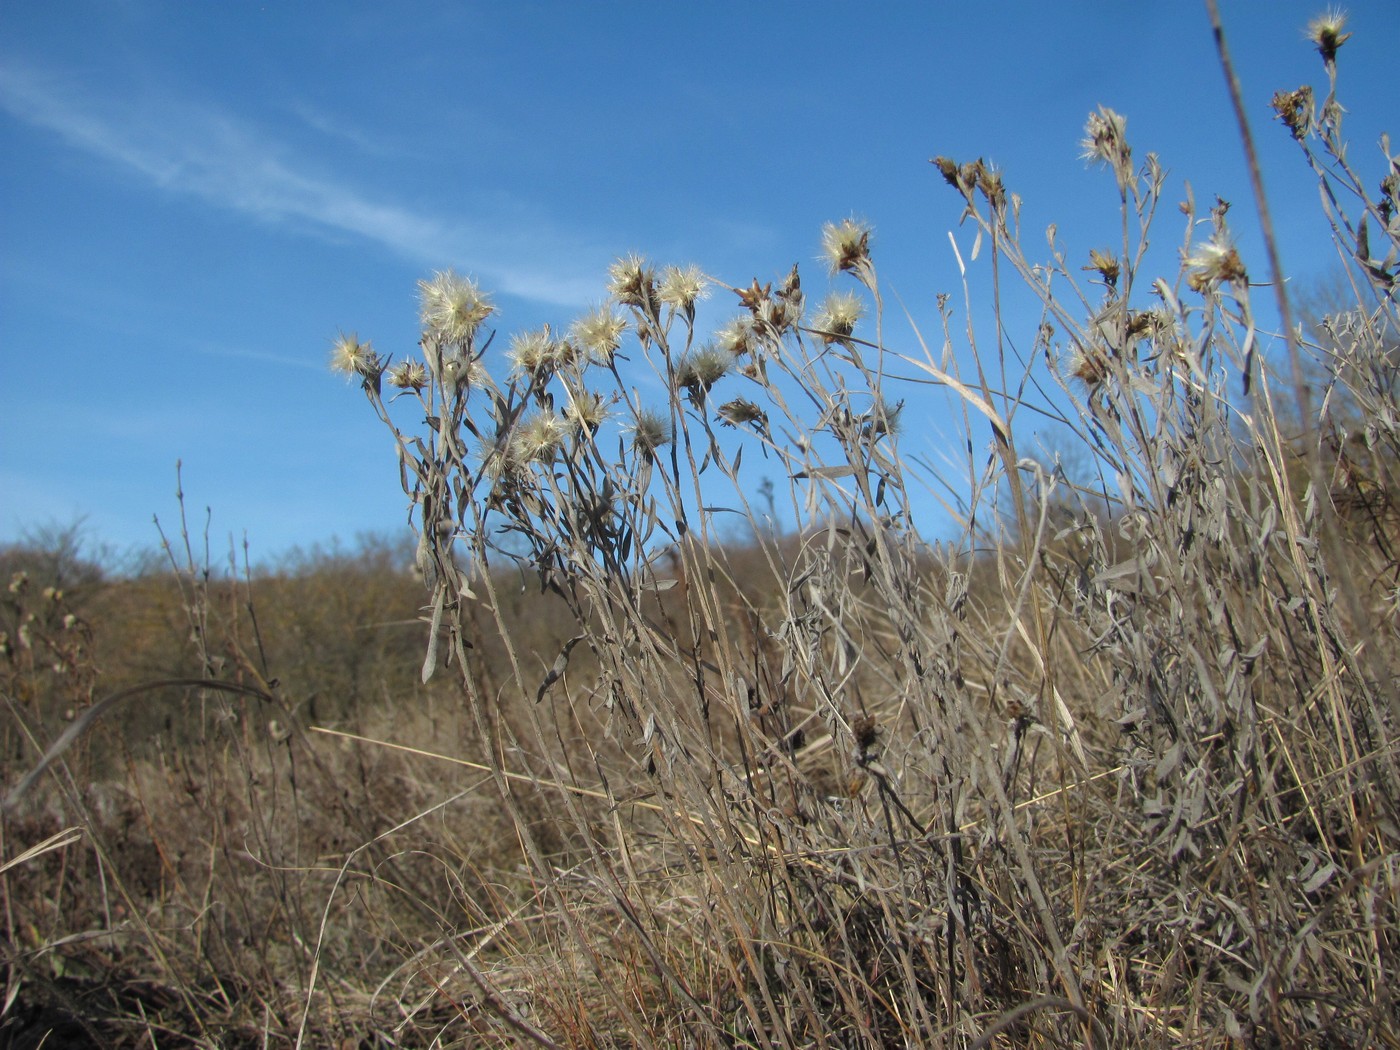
point(329, 126)
point(282, 360)
point(201, 151)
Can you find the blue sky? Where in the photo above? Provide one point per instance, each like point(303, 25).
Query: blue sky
point(196, 197)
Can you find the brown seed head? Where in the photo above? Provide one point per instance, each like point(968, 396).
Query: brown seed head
point(1106, 263)
point(1090, 366)
point(753, 297)
point(846, 245)
point(1295, 109)
point(947, 168)
point(866, 731)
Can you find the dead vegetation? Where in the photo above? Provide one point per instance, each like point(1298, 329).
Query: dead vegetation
point(1115, 766)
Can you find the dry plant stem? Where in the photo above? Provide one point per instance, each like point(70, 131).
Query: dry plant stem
point(1048, 1002)
point(542, 868)
point(1301, 388)
point(497, 1005)
point(342, 872)
point(81, 724)
point(66, 837)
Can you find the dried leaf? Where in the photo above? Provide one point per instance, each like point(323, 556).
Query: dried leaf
point(1320, 878)
point(561, 663)
point(439, 603)
point(829, 473)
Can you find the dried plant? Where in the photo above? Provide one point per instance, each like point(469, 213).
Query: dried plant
point(1114, 765)
point(1111, 767)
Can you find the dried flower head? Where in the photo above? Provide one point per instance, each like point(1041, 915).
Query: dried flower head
point(777, 314)
point(846, 246)
point(651, 431)
point(500, 457)
point(632, 282)
point(789, 294)
point(733, 413)
point(701, 369)
point(1389, 204)
point(965, 178)
point(867, 733)
point(599, 333)
point(460, 373)
point(539, 438)
point(564, 353)
point(1115, 330)
point(1106, 264)
point(410, 375)
point(354, 358)
point(736, 336)
point(585, 411)
point(989, 181)
point(681, 287)
point(1215, 262)
point(1105, 142)
point(1105, 137)
point(1326, 32)
point(1148, 324)
point(754, 296)
point(1295, 109)
point(838, 316)
point(948, 168)
point(452, 307)
point(1089, 365)
point(882, 419)
point(533, 353)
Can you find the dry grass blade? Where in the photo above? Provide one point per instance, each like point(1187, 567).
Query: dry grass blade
point(59, 840)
